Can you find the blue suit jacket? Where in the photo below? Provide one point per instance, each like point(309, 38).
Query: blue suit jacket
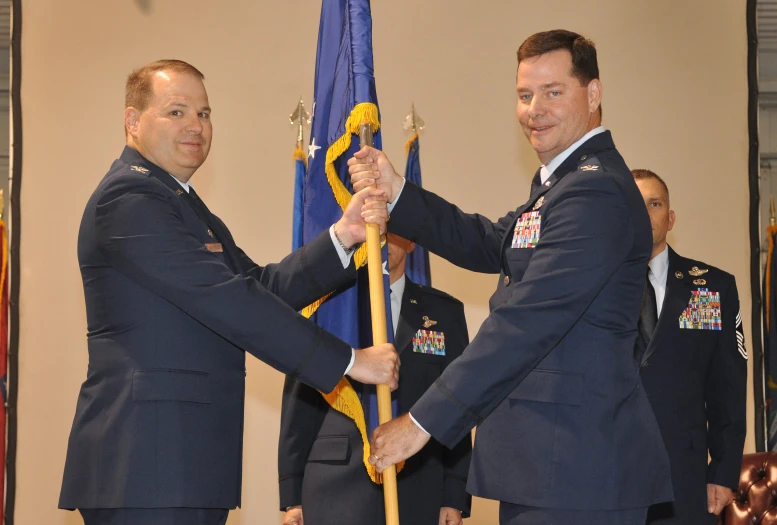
point(320, 451)
point(696, 380)
point(550, 379)
point(159, 419)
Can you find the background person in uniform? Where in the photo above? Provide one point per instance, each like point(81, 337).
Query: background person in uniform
point(694, 369)
point(172, 306)
point(565, 431)
point(320, 452)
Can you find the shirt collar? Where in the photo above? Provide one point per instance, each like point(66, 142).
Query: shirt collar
point(398, 288)
point(659, 265)
point(547, 170)
point(184, 185)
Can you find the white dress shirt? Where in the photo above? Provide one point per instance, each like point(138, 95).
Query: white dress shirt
point(659, 267)
point(397, 292)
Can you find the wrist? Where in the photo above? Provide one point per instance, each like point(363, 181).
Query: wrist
point(396, 187)
point(344, 238)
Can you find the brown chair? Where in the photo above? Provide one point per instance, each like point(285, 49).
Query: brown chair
point(756, 499)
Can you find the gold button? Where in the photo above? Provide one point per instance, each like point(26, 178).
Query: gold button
point(506, 280)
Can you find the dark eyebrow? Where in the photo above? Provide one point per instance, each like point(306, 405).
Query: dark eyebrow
point(553, 85)
point(182, 105)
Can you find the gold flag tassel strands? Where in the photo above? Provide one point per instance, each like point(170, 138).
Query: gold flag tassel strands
point(380, 336)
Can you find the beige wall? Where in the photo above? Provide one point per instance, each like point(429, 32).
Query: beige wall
point(675, 98)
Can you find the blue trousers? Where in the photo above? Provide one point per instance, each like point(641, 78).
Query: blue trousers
point(511, 514)
point(173, 516)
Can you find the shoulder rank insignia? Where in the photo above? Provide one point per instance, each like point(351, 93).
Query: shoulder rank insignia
point(539, 203)
point(679, 275)
point(695, 271)
point(429, 342)
point(139, 169)
point(699, 282)
point(428, 322)
point(589, 167)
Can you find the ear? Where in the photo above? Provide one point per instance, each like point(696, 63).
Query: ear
point(671, 220)
point(594, 95)
point(410, 247)
point(131, 121)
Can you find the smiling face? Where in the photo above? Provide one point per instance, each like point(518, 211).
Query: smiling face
point(174, 131)
point(554, 109)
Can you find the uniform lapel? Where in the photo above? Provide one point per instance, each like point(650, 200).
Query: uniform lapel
point(678, 290)
point(410, 316)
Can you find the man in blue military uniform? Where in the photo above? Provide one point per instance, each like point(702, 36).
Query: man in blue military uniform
point(565, 431)
point(691, 348)
point(172, 307)
point(322, 478)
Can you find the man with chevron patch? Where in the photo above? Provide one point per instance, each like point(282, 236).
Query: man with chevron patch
point(691, 350)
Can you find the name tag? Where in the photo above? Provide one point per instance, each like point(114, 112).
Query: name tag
point(702, 312)
point(527, 230)
point(429, 342)
point(214, 247)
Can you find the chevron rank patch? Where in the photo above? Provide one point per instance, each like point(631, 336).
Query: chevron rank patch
point(527, 230)
point(741, 337)
point(703, 311)
point(429, 342)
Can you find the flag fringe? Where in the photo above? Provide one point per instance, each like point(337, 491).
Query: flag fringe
point(409, 143)
point(344, 398)
point(770, 233)
point(300, 155)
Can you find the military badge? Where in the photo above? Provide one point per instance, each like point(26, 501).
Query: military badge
point(695, 271)
point(699, 282)
point(679, 275)
point(139, 169)
point(702, 312)
point(429, 342)
point(539, 203)
point(527, 230)
point(179, 192)
point(428, 323)
point(413, 301)
point(547, 183)
point(589, 167)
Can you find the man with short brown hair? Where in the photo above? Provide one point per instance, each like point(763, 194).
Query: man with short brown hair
point(172, 306)
point(691, 349)
point(565, 431)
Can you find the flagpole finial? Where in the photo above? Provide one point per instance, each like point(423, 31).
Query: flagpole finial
point(413, 121)
point(300, 117)
point(772, 221)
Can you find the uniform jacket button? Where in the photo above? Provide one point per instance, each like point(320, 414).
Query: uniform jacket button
point(506, 280)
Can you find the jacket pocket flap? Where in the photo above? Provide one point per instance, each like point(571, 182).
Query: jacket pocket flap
point(330, 448)
point(170, 385)
point(550, 386)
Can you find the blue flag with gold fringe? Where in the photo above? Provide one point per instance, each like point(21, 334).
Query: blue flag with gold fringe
point(344, 98)
point(417, 262)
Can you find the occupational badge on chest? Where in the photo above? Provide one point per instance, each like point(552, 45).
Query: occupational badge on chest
point(703, 311)
point(429, 342)
point(527, 230)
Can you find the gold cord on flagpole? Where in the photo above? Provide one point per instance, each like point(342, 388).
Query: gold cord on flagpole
point(380, 336)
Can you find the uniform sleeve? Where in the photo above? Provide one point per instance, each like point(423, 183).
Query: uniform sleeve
point(725, 396)
point(142, 235)
point(470, 241)
point(302, 414)
point(587, 232)
point(456, 460)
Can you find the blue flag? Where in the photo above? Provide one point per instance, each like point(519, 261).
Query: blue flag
point(344, 98)
point(300, 172)
point(417, 262)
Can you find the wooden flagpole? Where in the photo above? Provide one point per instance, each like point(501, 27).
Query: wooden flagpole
point(380, 336)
